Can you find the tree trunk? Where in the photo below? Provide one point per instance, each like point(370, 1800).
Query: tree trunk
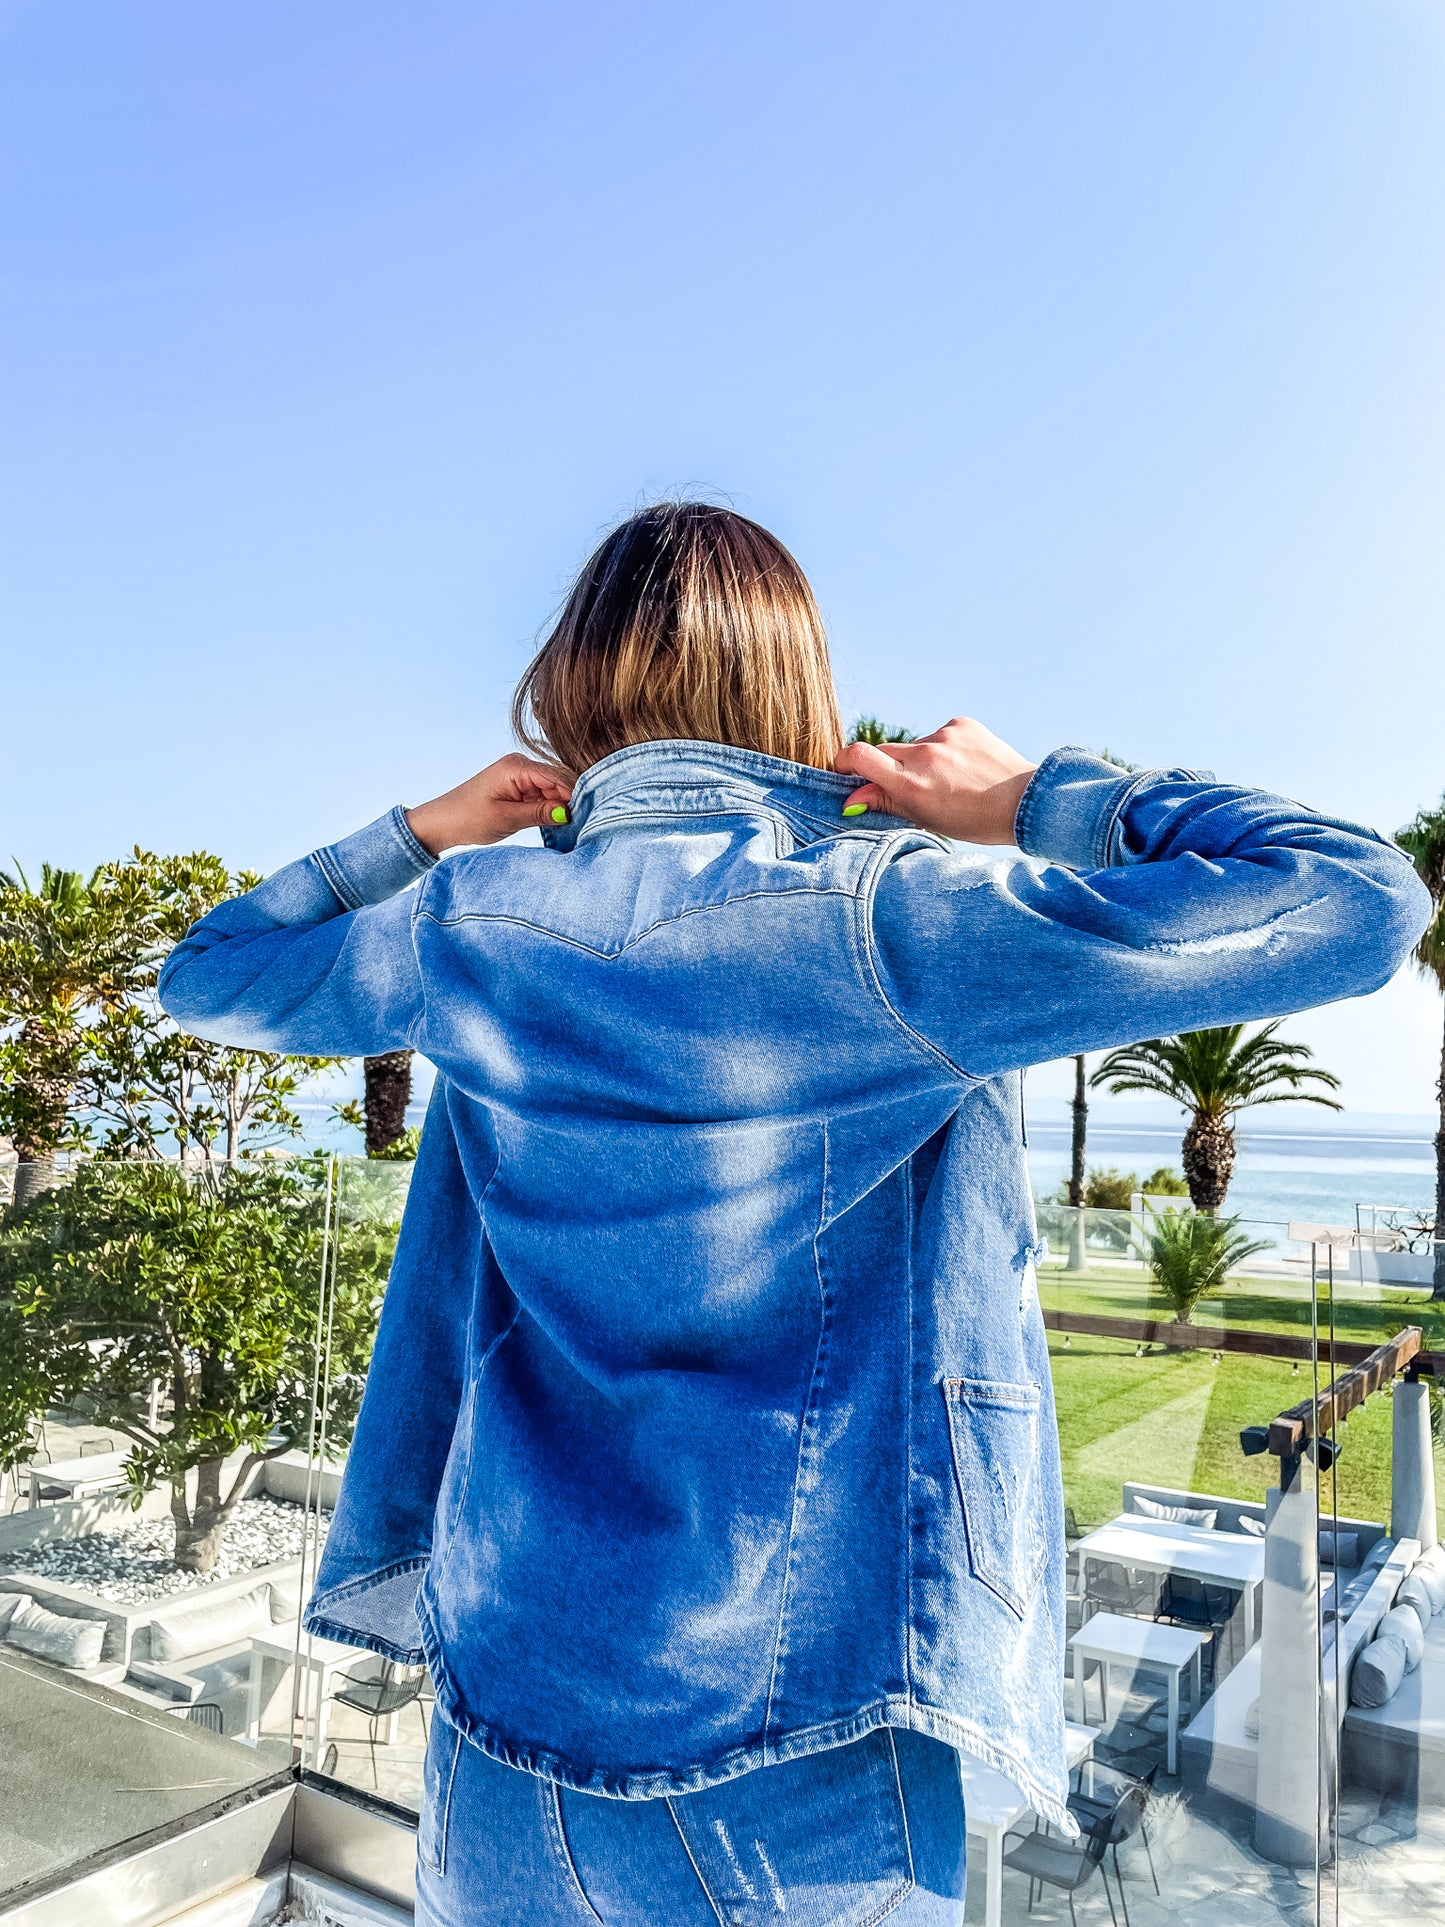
point(1208, 1159)
point(1438, 1288)
point(33, 1175)
point(388, 1092)
point(1081, 1127)
point(1078, 1231)
point(199, 1526)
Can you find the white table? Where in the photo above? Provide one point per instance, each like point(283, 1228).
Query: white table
point(101, 1472)
point(323, 1661)
point(1141, 1644)
point(1232, 1559)
point(993, 1804)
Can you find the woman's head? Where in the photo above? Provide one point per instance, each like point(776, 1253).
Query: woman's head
point(689, 621)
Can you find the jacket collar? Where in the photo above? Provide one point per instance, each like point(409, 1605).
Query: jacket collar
point(644, 779)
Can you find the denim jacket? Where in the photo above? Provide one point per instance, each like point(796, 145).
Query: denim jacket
point(709, 1420)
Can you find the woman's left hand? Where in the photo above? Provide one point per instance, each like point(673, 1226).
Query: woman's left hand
point(514, 793)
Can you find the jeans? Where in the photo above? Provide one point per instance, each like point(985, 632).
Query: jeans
point(860, 1833)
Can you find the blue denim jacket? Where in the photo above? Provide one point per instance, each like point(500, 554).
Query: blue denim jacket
point(710, 1419)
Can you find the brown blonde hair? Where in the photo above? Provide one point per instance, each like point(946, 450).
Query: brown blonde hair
point(689, 621)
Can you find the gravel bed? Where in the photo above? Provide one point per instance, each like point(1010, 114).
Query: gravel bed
point(134, 1564)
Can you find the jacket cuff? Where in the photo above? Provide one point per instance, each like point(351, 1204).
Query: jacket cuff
point(1070, 810)
point(373, 864)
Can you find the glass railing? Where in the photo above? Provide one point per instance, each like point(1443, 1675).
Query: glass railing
point(163, 1474)
point(182, 1356)
point(1250, 1445)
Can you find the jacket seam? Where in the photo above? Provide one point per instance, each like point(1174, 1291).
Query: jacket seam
point(864, 897)
point(805, 1430)
point(662, 923)
point(337, 880)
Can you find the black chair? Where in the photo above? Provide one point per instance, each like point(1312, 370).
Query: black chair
point(1068, 1864)
point(1096, 1797)
point(208, 1714)
point(380, 1696)
point(1111, 1588)
point(1199, 1609)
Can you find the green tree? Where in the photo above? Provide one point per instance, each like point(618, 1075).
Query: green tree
point(1190, 1254)
point(143, 1085)
point(211, 1282)
point(1424, 843)
point(1215, 1074)
point(68, 948)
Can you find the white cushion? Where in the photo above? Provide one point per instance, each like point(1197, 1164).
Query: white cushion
point(1251, 1720)
point(1254, 1527)
point(1378, 1672)
point(54, 1636)
point(1403, 1623)
point(1431, 1561)
point(1339, 1548)
point(285, 1604)
point(1426, 1573)
point(1378, 1553)
point(8, 1602)
point(1179, 1515)
point(196, 1628)
point(1423, 1593)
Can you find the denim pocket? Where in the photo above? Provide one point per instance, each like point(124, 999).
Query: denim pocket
point(444, 1744)
point(820, 1841)
point(994, 1431)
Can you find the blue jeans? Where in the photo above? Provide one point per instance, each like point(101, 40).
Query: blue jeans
point(861, 1833)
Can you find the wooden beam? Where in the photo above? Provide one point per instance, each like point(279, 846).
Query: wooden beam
point(1292, 1430)
point(1215, 1338)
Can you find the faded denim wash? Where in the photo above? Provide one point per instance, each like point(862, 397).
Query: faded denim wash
point(843, 1838)
point(710, 1420)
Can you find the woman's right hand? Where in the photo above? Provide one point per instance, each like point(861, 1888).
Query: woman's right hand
point(962, 781)
point(514, 793)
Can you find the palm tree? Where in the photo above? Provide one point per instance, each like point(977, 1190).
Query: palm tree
point(1191, 1254)
point(388, 1092)
point(868, 729)
point(64, 948)
point(1214, 1074)
point(1424, 843)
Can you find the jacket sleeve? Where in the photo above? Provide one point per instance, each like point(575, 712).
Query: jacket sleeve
point(1163, 902)
point(318, 959)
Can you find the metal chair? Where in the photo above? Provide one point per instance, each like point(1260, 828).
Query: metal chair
point(1110, 1587)
point(1102, 1802)
point(1067, 1864)
point(93, 1448)
point(208, 1714)
point(381, 1696)
point(1200, 1609)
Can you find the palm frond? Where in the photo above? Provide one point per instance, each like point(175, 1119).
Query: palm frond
point(1218, 1071)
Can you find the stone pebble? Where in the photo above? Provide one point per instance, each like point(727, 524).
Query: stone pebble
point(135, 1563)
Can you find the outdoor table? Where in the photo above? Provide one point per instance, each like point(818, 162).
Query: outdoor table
point(101, 1472)
point(323, 1660)
point(992, 1804)
point(1233, 1559)
point(1114, 1640)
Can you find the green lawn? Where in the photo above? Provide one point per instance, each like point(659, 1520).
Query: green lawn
point(1173, 1418)
point(1368, 1313)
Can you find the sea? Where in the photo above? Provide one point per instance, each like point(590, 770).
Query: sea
point(1338, 1168)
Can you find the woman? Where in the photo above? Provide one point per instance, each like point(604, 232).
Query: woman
point(708, 1452)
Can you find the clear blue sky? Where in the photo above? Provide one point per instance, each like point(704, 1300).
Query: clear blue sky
point(1089, 358)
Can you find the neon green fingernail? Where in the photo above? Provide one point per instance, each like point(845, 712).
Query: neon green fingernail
point(855, 809)
point(559, 812)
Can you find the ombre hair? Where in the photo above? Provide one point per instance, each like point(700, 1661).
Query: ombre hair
point(688, 622)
